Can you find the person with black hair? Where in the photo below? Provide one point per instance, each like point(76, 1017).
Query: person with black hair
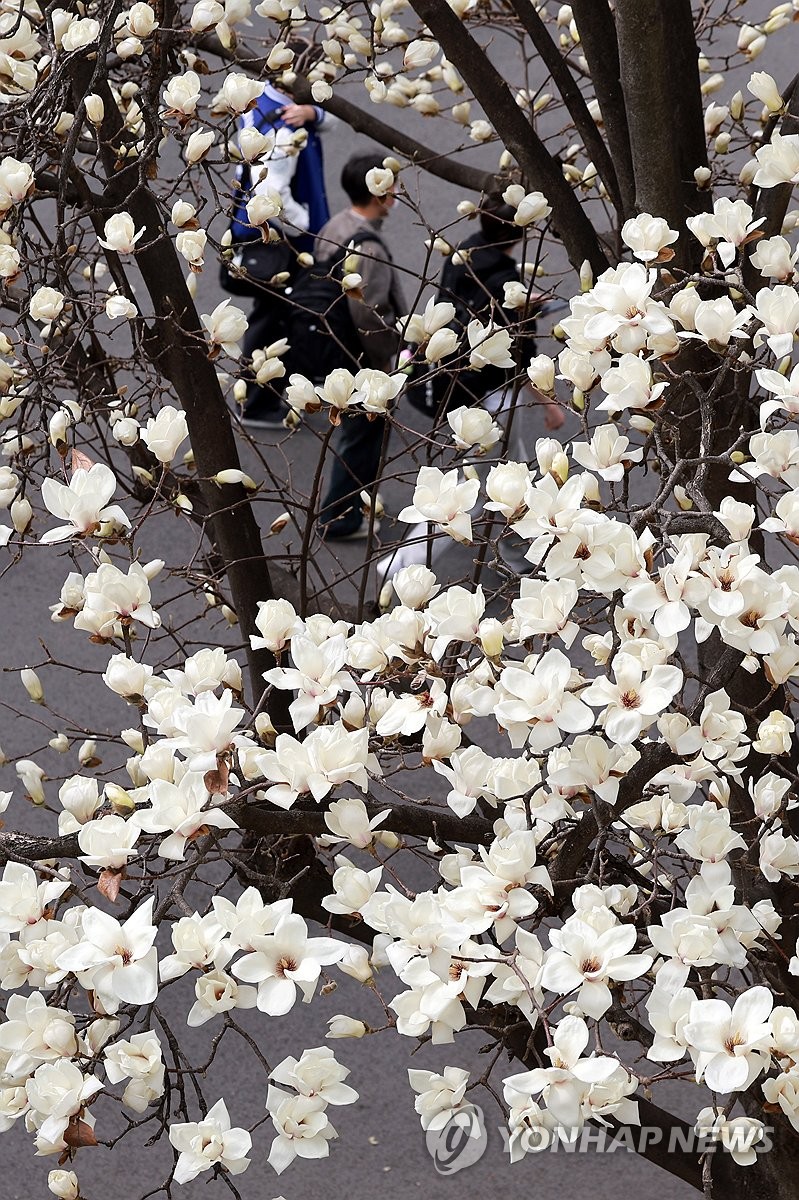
point(374, 313)
point(474, 280)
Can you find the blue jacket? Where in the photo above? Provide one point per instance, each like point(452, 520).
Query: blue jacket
point(308, 185)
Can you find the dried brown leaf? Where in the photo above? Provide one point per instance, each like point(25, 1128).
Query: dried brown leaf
point(78, 1134)
point(108, 884)
point(80, 461)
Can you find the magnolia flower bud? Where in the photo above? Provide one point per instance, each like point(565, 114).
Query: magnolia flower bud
point(87, 754)
point(46, 304)
point(21, 513)
point(541, 373)
point(774, 734)
point(280, 56)
point(356, 964)
point(230, 475)
point(764, 88)
point(59, 743)
point(280, 522)
point(379, 181)
point(182, 213)
point(321, 91)
point(342, 1026)
point(63, 1184)
point(32, 685)
point(492, 637)
point(121, 801)
point(31, 776)
point(95, 109)
point(198, 145)
point(121, 235)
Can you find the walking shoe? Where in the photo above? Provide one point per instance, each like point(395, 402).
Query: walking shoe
point(345, 530)
point(269, 419)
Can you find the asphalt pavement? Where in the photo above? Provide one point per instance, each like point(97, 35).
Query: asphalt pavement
point(381, 1149)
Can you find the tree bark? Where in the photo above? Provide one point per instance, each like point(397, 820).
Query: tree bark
point(660, 79)
point(599, 44)
point(572, 97)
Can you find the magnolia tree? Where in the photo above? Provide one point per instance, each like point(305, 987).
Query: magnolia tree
point(606, 884)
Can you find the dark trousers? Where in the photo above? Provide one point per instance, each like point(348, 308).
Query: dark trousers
point(355, 468)
point(266, 325)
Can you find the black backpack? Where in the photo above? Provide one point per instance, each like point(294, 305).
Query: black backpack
point(321, 333)
point(435, 392)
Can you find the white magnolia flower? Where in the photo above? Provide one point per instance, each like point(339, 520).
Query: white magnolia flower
point(441, 498)
point(117, 960)
point(56, 1091)
point(490, 346)
point(225, 326)
point(140, 1060)
point(83, 503)
point(285, 960)
point(608, 453)
point(730, 1046)
point(46, 304)
point(16, 182)
point(217, 992)
point(165, 433)
point(348, 821)
point(113, 599)
point(631, 703)
point(440, 1098)
point(329, 755)
point(582, 960)
point(316, 1074)
point(108, 841)
point(276, 622)
point(33, 1033)
point(473, 428)
point(64, 1184)
point(202, 1145)
point(302, 1127)
point(532, 207)
point(180, 810)
point(182, 94)
point(775, 734)
point(647, 236)
point(778, 161)
point(23, 900)
point(121, 234)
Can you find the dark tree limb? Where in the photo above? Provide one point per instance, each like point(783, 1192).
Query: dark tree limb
point(520, 139)
point(598, 43)
point(176, 343)
point(572, 97)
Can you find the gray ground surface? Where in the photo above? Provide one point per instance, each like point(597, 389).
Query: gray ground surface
point(380, 1150)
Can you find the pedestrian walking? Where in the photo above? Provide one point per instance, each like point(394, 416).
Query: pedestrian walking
point(373, 315)
point(298, 179)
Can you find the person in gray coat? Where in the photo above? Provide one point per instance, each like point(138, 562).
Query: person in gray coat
point(374, 314)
